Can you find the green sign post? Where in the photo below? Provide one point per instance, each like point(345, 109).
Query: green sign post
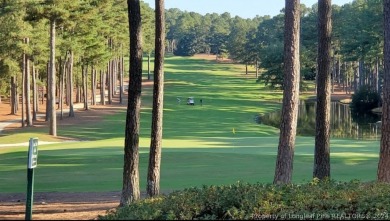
point(31, 164)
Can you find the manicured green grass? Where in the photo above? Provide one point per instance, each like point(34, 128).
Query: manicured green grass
point(97, 165)
point(199, 145)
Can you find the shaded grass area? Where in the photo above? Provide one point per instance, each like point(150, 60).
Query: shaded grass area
point(216, 143)
point(97, 165)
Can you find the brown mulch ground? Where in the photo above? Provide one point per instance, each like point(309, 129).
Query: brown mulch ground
point(71, 206)
point(59, 206)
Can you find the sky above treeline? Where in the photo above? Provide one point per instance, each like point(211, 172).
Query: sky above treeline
point(242, 8)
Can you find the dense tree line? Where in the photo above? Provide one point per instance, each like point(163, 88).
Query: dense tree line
point(356, 46)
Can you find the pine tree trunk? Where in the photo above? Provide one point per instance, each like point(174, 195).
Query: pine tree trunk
point(322, 144)
point(35, 93)
point(102, 88)
point(85, 86)
point(130, 188)
point(109, 75)
point(70, 71)
point(14, 102)
point(66, 80)
point(61, 94)
point(357, 78)
point(48, 110)
point(332, 74)
point(112, 83)
point(93, 86)
point(377, 75)
point(346, 78)
point(384, 155)
point(23, 90)
point(79, 93)
point(288, 126)
point(148, 66)
point(153, 184)
point(115, 77)
point(27, 92)
point(121, 80)
point(52, 80)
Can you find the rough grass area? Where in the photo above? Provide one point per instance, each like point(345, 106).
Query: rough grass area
point(328, 200)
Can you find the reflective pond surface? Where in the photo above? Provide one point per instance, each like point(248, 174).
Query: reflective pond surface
point(344, 123)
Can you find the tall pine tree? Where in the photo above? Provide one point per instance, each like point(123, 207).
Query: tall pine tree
point(130, 187)
point(384, 155)
point(153, 182)
point(288, 125)
point(322, 140)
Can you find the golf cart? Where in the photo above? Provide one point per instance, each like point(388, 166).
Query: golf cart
point(190, 101)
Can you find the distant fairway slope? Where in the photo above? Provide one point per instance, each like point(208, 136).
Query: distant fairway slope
point(214, 142)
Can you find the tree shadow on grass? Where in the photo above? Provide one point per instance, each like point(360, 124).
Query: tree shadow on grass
point(81, 168)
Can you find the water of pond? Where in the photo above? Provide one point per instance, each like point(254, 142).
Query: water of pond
point(344, 123)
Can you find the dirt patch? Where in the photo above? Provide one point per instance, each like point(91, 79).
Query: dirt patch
point(338, 95)
point(82, 116)
point(215, 58)
point(59, 206)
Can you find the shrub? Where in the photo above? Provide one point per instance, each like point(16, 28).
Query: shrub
point(315, 200)
point(365, 99)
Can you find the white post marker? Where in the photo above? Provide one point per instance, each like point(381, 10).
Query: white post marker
point(31, 164)
point(33, 153)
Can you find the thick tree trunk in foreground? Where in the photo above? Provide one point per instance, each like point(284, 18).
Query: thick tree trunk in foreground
point(288, 126)
point(153, 182)
point(130, 188)
point(321, 168)
point(384, 155)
